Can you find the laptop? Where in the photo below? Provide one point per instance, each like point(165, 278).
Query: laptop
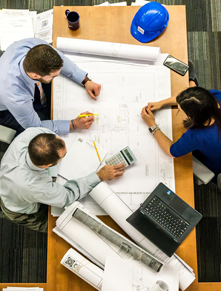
point(165, 219)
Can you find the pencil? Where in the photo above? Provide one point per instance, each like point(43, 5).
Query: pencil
point(85, 115)
point(97, 151)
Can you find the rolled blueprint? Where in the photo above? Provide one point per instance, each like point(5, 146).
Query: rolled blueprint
point(92, 243)
point(108, 49)
point(86, 270)
point(119, 211)
point(112, 236)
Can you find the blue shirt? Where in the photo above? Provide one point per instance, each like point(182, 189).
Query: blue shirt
point(23, 186)
point(205, 143)
point(17, 88)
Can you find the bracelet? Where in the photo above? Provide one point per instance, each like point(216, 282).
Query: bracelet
point(85, 80)
point(72, 121)
point(156, 129)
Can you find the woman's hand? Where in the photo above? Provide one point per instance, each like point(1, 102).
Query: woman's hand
point(148, 116)
point(154, 105)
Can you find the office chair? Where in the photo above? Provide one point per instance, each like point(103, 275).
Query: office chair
point(203, 174)
point(6, 134)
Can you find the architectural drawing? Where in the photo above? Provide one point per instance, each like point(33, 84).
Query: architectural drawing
point(126, 88)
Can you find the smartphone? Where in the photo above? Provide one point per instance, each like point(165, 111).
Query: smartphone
point(176, 65)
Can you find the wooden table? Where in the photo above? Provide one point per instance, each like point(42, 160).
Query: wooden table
point(112, 24)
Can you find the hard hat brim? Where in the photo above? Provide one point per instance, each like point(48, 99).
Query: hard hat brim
point(139, 36)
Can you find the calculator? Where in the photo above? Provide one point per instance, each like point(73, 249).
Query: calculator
point(124, 156)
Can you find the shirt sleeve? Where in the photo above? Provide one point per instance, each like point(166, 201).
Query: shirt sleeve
point(57, 195)
point(26, 116)
point(71, 70)
point(186, 144)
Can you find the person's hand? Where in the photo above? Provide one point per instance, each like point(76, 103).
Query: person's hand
point(154, 106)
point(110, 172)
point(148, 116)
point(83, 122)
point(93, 89)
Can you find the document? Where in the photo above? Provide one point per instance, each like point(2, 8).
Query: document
point(122, 275)
point(126, 87)
point(119, 212)
point(81, 159)
point(83, 268)
point(43, 27)
point(99, 240)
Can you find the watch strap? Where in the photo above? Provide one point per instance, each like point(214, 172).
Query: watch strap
point(85, 80)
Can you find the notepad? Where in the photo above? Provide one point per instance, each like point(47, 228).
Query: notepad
point(81, 159)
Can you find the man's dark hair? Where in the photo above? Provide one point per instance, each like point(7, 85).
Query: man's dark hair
point(43, 149)
point(200, 107)
point(42, 59)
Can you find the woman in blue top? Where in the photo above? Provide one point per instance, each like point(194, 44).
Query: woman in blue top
point(203, 123)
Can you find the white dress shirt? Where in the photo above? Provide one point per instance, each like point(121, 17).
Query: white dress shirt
point(23, 186)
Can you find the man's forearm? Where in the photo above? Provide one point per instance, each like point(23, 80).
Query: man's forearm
point(168, 102)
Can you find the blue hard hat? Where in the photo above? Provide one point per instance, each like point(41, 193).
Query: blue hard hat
point(149, 21)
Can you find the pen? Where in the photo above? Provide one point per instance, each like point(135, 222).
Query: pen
point(84, 115)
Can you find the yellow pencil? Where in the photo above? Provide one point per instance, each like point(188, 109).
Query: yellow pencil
point(84, 115)
point(97, 151)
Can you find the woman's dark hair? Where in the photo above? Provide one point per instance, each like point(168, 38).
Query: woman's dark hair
point(43, 149)
point(42, 59)
point(200, 107)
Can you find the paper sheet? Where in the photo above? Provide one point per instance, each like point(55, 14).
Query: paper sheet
point(86, 270)
point(119, 212)
point(127, 87)
point(81, 159)
point(122, 275)
point(44, 23)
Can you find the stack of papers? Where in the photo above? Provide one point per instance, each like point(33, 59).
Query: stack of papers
point(22, 289)
point(17, 24)
point(124, 3)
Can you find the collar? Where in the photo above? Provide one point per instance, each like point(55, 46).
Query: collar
point(25, 76)
point(31, 165)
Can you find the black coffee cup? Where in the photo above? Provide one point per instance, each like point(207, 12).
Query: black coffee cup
point(73, 19)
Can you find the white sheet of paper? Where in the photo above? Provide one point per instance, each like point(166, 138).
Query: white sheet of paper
point(81, 159)
point(123, 275)
point(44, 23)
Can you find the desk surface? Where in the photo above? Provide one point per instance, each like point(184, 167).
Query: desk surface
point(113, 24)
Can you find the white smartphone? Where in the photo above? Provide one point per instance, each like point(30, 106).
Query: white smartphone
point(176, 65)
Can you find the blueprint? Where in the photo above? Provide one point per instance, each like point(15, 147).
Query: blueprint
point(126, 88)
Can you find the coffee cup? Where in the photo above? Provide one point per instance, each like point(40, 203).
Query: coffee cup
point(73, 19)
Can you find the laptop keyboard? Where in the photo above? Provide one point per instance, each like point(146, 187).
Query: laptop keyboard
point(160, 212)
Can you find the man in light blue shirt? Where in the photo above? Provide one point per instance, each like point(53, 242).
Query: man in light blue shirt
point(26, 185)
point(23, 64)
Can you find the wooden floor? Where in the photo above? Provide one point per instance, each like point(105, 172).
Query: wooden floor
point(23, 253)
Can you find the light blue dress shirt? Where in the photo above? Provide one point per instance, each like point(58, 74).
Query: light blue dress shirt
point(23, 186)
point(17, 89)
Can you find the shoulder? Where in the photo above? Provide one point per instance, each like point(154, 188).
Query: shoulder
point(216, 93)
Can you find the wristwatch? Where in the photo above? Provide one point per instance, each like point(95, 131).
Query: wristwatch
point(153, 128)
point(85, 80)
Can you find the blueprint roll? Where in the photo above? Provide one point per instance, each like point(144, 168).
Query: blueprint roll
point(83, 268)
point(109, 49)
point(119, 212)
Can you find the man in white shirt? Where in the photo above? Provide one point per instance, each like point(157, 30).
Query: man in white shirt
point(26, 186)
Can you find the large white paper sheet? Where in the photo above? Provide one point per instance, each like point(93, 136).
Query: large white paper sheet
point(121, 275)
point(126, 88)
